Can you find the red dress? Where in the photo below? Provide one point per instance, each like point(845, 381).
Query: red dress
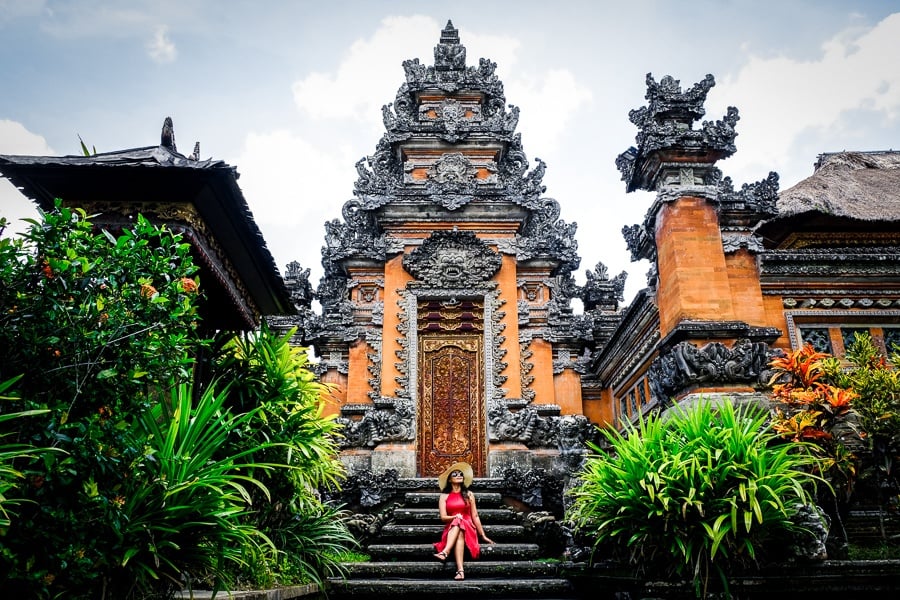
point(457, 506)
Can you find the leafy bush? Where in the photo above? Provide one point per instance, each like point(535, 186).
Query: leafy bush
point(98, 325)
point(152, 484)
point(699, 492)
point(264, 371)
point(874, 381)
point(181, 515)
point(810, 408)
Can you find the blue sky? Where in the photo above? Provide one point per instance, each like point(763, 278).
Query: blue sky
point(291, 92)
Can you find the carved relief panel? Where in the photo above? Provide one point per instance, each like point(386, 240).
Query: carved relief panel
point(452, 408)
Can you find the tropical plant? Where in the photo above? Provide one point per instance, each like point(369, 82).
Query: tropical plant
point(268, 374)
point(701, 491)
point(182, 517)
point(874, 381)
point(11, 453)
point(809, 407)
point(99, 324)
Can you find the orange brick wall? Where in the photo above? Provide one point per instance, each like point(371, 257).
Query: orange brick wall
point(692, 271)
point(506, 280)
point(395, 277)
point(542, 371)
point(358, 376)
point(568, 392)
point(746, 295)
point(775, 318)
point(599, 410)
point(336, 394)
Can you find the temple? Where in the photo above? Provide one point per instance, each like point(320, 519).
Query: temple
point(444, 321)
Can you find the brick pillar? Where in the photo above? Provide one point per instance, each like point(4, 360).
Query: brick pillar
point(693, 276)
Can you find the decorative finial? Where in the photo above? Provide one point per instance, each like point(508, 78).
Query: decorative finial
point(167, 137)
point(449, 54)
point(195, 155)
point(666, 129)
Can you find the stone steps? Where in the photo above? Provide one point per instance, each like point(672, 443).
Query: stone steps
point(403, 565)
point(425, 552)
point(476, 569)
point(469, 588)
point(403, 531)
point(430, 515)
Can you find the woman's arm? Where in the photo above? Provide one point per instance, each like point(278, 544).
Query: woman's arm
point(477, 521)
point(442, 507)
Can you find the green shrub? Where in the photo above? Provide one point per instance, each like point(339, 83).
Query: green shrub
point(697, 493)
point(181, 516)
point(153, 483)
point(264, 371)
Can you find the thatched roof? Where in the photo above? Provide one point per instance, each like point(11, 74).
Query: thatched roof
point(855, 185)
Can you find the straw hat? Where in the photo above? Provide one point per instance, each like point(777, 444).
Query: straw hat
point(466, 469)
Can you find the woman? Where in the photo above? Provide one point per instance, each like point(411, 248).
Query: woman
point(462, 527)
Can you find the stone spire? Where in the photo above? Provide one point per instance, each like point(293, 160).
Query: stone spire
point(449, 54)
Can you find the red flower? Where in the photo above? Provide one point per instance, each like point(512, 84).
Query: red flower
point(188, 285)
point(148, 291)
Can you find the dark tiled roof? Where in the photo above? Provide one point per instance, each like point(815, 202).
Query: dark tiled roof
point(159, 174)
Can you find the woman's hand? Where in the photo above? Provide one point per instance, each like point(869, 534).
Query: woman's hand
point(487, 540)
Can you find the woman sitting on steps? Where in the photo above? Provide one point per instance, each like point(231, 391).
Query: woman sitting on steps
point(462, 527)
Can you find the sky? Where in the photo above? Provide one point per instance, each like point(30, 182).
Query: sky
point(290, 93)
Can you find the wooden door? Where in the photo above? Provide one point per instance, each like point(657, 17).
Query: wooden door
point(451, 412)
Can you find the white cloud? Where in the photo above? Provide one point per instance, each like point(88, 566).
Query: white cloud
point(161, 48)
point(548, 104)
point(14, 9)
point(16, 139)
point(371, 70)
point(369, 74)
point(781, 98)
point(293, 187)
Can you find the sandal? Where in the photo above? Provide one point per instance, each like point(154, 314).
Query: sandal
point(441, 556)
point(459, 575)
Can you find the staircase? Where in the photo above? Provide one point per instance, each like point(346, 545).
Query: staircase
point(403, 566)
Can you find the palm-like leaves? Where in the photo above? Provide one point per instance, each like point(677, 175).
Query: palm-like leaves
point(183, 519)
point(696, 492)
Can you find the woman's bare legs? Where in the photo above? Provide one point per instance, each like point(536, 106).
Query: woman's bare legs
point(459, 549)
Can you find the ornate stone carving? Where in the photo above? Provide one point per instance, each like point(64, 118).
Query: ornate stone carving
point(545, 235)
point(296, 280)
point(525, 368)
point(733, 241)
point(365, 489)
point(358, 236)
point(452, 259)
point(686, 365)
point(391, 420)
point(451, 180)
point(666, 123)
point(374, 366)
point(877, 262)
point(601, 292)
point(528, 426)
point(752, 202)
point(640, 242)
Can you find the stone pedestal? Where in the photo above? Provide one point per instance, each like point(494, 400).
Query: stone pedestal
point(503, 456)
point(400, 457)
point(356, 460)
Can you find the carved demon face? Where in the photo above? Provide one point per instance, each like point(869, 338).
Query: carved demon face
point(452, 263)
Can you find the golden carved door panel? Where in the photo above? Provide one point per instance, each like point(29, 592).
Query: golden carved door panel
point(451, 409)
